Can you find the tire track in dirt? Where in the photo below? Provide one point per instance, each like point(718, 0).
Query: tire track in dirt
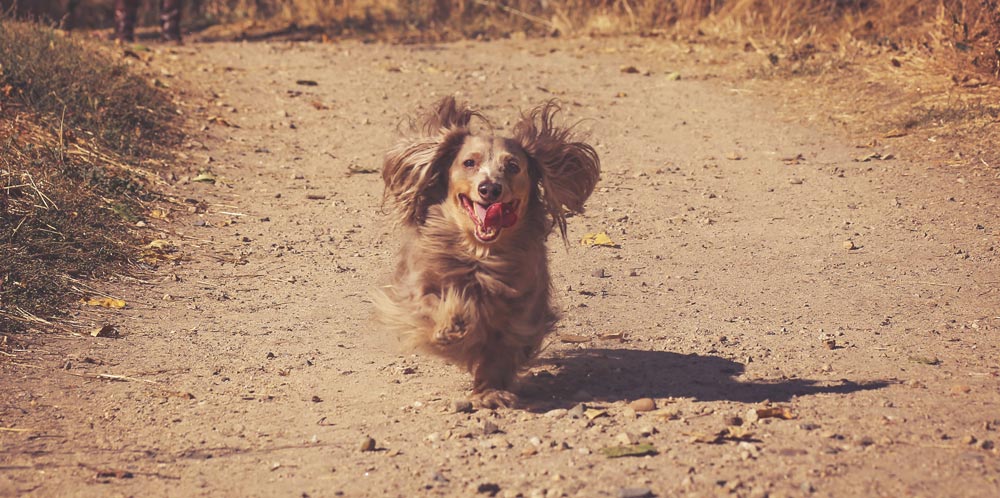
point(731, 280)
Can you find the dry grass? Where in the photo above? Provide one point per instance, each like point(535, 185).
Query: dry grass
point(962, 31)
point(73, 123)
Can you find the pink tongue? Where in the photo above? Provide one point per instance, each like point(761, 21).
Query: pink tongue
point(499, 215)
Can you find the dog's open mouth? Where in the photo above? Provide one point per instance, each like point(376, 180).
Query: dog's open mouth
point(490, 219)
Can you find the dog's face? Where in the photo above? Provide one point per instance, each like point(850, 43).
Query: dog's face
point(486, 185)
point(489, 187)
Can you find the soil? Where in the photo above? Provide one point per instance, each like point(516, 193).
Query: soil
point(807, 316)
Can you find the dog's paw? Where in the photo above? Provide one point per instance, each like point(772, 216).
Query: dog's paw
point(450, 333)
point(494, 398)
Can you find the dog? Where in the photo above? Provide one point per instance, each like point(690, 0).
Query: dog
point(472, 282)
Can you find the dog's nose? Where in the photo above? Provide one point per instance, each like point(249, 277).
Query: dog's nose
point(490, 191)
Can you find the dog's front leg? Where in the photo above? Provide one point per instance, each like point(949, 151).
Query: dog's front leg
point(494, 377)
point(450, 324)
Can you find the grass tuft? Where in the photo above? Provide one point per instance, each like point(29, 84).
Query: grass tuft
point(73, 121)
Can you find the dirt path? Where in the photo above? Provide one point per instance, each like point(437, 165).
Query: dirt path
point(256, 370)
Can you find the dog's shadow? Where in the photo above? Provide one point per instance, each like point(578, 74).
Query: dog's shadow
point(608, 375)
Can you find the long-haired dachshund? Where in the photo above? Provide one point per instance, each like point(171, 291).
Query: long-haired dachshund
point(472, 283)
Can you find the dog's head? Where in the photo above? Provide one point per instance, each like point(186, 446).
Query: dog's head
point(487, 184)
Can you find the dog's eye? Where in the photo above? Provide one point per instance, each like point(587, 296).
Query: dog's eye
point(511, 167)
point(469, 163)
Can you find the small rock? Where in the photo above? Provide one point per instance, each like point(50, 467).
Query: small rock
point(598, 273)
point(367, 444)
point(849, 245)
point(961, 389)
point(970, 439)
point(556, 413)
point(625, 439)
point(577, 411)
point(733, 421)
point(488, 488)
point(461, 406)
point(634, 493)
point(643, 405)
point(986, 444)
point(490, 428)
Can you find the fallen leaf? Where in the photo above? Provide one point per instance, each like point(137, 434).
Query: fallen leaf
point(598, 239)
point(105, 302)
point(629, 450)
point(204, 177)
point(159, 250)
point(732, 433)
point(592, 413)
point(781, 412)
point(159, 214)
point(574, 339)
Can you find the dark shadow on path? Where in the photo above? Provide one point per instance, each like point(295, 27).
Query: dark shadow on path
point(608, 375)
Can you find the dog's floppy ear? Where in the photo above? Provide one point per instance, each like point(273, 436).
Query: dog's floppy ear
point(566, 169)
point(415, 171)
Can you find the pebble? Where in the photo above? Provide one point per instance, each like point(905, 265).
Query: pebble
point(625, 439)
point(634, 493)
point(461, 406)
point(368, 444)
point(599, 273)
point(490, 428)
point(849, 245)
point(556, 413)
point(643, 405)
point(577, 411)
point(488, 488)
point(733, 421)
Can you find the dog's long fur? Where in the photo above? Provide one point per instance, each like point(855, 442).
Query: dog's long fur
point(484, 305)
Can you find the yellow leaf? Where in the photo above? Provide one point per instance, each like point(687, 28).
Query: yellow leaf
point(160, 214)
point(598, 239)
point(781, 412)
point(105, 302)
point(592, 413)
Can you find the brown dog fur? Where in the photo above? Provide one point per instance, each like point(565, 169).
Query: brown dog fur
point(484, 304)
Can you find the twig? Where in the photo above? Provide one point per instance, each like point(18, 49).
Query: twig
point(124, 378)
point(89, 288)
point(15, 429)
